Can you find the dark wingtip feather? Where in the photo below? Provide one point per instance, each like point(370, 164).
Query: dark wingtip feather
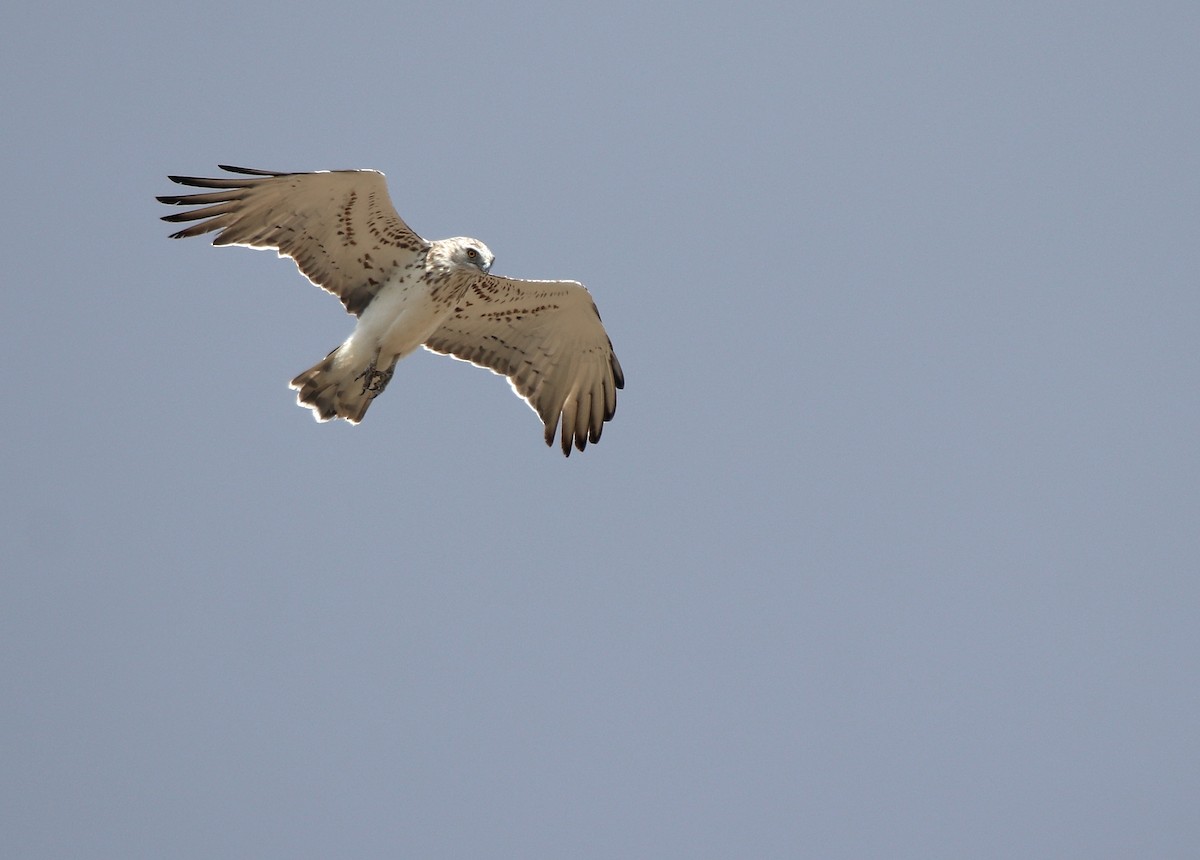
point(222, 196)
point(249, 171)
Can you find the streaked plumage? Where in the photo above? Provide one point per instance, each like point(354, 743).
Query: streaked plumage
point(346, 237)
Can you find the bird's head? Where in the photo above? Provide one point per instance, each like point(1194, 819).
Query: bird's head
point(469, 253)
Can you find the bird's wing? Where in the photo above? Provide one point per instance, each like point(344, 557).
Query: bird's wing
point(547, 338)
point(339, 226)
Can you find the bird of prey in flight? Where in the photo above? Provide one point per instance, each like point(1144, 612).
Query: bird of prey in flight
point(346, 237)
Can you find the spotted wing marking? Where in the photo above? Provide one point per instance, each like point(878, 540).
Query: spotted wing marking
point(339, 226)
point(548, 339)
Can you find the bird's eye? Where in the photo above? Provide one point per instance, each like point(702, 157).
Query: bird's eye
point(472, 253)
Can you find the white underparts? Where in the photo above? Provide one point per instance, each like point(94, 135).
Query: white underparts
point(399, 319)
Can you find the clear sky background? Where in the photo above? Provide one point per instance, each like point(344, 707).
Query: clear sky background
point(890, 551)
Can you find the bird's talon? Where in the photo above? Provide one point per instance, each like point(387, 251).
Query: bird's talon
point(374, 381)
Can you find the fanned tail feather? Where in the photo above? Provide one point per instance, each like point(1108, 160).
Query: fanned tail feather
point(335, 389)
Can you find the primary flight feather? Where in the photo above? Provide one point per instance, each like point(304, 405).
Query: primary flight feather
point(346, 237)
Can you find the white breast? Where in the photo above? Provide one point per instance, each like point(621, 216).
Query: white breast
point(399, 319)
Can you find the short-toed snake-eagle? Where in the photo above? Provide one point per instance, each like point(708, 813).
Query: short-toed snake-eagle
point(344, 234)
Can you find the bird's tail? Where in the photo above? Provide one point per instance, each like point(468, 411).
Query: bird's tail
point(333, 388)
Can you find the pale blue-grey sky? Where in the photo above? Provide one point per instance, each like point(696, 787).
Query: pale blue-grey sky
point(890, 551)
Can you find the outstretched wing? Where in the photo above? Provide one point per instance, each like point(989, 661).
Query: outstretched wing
point(339, 226)
point(547, 338)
